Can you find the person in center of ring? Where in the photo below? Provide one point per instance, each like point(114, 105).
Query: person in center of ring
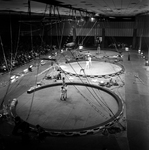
point(63, 95)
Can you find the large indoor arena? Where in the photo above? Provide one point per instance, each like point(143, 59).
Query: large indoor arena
point(74, 75)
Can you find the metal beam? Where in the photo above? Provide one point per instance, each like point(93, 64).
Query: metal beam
point(60, 4)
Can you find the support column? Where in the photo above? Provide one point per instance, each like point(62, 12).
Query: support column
point(140, 43)
point(74, 34)
point(103, 38)
point(134, 38)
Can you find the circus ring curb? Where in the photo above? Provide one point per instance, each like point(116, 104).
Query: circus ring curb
point(82, 131)
point(95, 76)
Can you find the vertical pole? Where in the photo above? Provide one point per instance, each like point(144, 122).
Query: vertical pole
point(29, 11)
point(140, 42)
point(29, 7)
point(74, 33)
point(134, 38)
point(51, 33)
point(103, 37)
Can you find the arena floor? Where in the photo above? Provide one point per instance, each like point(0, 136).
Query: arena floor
point(84, 106)
point(44, 106)
point(96, 68)
point(75, 113)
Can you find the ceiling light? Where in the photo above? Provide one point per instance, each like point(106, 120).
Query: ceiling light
point(112, 17)
point(92, 19)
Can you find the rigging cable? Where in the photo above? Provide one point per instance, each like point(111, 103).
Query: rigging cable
point(122, 99)
point(9, 69)
point(89, 90)
point(36, 78)
point(62, 35)
point(121, 81)
point(115, 70)
point(80, 31)
point(81, 79)
point(37, 67)
point(88, 82)
point(89, 31)
point(90, 93)
point(100, 98)
point(16, 52)
point(92, 105)
point(112, 38)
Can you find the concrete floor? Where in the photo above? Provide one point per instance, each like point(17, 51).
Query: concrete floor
point(136, 99)
point(137, 102)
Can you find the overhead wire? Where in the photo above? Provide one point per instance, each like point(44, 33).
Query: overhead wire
point(121, 97)
point(113, 66)
point(89, 31)
point(73, 68)
point(59, 46)
point(99, 98)
point(83, 82)
point(62, 35)
point(92, 105)
point(15, 55)
point(9, 69)
point(112, 38)
point(95, 97)
point(89, 83)
point(103, 101)
point(18, 41)
point(80, 31)
point(118, 74)
point(36, 77)
point(92, 95)
point(57, 31)
point(6, 63)
point(89, 91)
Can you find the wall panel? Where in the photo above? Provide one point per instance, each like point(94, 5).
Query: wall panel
point(119, 32)
point(90, 29)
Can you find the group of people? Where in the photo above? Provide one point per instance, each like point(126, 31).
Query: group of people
point(23, 54)
point(63, 89)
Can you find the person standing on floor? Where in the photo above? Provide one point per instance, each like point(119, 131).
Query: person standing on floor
point(128, 56)
point(59, 76)
point(63, 95)
point(90, 60)
point(98, 49)
point(87, 63)
point(63, 81)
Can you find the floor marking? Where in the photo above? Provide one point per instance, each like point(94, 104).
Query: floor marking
point(43, 71)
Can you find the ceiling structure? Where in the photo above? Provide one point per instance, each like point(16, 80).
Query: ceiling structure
point(113, 8)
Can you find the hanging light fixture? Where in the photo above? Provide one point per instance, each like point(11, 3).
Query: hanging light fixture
point(146, 62)
point(92, 19)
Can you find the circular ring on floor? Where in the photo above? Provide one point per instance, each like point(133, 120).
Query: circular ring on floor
point(98, 69)
point(87, 130)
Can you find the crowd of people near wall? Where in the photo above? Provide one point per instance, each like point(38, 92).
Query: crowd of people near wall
point(26, 51)
point(24, 54)
point(118, 45)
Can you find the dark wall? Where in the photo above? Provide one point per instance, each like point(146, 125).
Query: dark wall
point(126, 40)
point(60, 33)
